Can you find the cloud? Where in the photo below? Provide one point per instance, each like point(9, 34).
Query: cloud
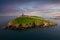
point(38, 7)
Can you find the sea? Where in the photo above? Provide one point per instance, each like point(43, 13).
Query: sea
point(49, 33)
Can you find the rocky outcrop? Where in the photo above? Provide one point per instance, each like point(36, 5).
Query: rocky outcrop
point(26, 26)
point(26, 22)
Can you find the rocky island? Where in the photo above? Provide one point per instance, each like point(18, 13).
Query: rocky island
point(26, 22)
point(57, 17)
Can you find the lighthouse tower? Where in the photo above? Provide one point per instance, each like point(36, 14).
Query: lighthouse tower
point(22, 13)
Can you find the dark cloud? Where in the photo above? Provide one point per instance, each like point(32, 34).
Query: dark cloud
point(4, 4)
point(12, 1)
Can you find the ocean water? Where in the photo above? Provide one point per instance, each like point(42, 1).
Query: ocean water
point(50, 33)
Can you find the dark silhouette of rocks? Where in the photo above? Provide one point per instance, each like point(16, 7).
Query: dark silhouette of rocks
point(27, 26)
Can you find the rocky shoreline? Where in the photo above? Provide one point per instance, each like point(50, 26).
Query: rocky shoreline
point(26, 26)
point(17, 26)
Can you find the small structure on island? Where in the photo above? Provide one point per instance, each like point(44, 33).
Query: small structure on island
point(22, 14)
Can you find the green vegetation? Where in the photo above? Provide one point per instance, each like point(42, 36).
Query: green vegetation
point(29, 19)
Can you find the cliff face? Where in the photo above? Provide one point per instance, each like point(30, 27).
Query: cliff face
point(24, 22)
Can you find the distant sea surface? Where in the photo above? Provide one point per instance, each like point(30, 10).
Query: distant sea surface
point(50, 33)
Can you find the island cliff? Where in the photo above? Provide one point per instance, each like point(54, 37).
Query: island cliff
point(26, 22)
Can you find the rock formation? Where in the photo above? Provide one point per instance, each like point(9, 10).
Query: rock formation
point(25, 22)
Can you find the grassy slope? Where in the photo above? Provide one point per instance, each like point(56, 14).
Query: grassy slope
point(29, 19)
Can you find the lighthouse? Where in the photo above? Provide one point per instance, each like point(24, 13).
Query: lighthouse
point(22, 13)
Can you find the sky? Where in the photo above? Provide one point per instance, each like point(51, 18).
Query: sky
point(29, 7)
